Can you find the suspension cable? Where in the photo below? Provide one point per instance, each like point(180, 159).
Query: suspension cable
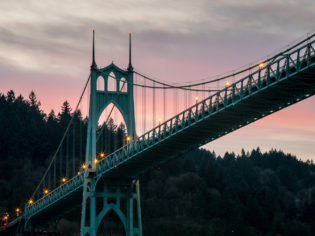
point(232, 74)
point(63, 137)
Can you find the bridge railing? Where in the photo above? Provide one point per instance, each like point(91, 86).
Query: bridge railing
point(56, 194)
point(274, 71)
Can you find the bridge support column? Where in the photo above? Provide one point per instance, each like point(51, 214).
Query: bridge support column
point(120, 198)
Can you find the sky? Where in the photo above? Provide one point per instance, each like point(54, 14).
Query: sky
point(45, 46)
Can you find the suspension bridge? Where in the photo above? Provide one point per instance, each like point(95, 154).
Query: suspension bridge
point(108, 178)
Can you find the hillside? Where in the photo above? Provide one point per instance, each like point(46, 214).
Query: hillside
point(198, 194)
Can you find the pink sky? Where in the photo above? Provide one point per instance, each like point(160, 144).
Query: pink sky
point(176, 41)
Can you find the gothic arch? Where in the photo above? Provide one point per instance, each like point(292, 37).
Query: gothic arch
point(111, 82)
point(115, 210)
point(116, 105)
point(100, 84)
point(123, 85)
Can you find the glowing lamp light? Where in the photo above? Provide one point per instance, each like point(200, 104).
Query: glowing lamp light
point(102, 154)
point(17, 210)
point(6, 217)
point(30, 202)
point(46, 191)
point(64, 179)
point(261, 65)
point(227, 84)
point(128, 138)
point(196, 98)
point(83, 167)
point(95, 161)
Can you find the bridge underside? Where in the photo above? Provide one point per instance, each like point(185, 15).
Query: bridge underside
point(253, 107)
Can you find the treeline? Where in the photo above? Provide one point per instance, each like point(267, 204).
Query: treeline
point(249, 194)
point(198, 194)
point(29, 139)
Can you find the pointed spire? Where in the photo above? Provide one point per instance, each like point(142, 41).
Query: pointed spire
point(130, 68)
point(93, 50)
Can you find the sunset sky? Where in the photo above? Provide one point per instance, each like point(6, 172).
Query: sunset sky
point(45, 46)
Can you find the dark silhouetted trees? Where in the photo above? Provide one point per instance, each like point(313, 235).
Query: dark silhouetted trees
point(200, 193)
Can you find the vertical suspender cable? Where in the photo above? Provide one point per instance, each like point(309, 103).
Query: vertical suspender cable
point(185, 98)
point(135, 95)
point(153, 106)
point(60, 161)
point(143, 106)
point(102, 141)
point(107, 139)
point(164, 104)
point(73, 147)
point(55, 174)
point(48, 179)
point(67, 156)
point(81, 137)
point(175, 101)
point(115, 132)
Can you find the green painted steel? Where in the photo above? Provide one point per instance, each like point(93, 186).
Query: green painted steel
point(100, 98)
point(282, 82)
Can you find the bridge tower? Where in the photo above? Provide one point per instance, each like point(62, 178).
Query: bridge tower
point(122, 196)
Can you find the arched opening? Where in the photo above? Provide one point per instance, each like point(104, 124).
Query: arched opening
point(111, 225)
point(123, 85)
point(111, 82)
point(100, 84)
point(111, 132)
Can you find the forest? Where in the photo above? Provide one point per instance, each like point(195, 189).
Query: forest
point(200, 193)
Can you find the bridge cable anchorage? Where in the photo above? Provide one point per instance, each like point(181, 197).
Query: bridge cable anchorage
point(62, 139)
